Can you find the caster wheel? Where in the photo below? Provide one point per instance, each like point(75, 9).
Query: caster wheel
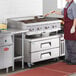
point(29, 65)
point(56, 59)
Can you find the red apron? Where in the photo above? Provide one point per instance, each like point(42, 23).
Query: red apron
point(67, 26)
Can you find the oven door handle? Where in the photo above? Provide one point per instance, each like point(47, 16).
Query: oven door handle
point(46, 43)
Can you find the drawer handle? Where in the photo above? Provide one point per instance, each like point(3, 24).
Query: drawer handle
point(62, 40)
point(45, 43)
point(45, 54)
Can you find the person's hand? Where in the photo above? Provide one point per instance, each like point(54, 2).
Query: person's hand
point(56, 12)
point(72, 29)
point(53, 11)
point(62, 22)
point(46, 14)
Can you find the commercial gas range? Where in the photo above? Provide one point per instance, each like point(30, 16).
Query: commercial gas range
point(42, 40)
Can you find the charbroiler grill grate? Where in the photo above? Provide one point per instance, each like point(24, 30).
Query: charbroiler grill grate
point(36, 19)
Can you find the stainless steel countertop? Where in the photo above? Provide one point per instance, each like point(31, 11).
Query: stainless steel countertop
point(16, 31)
point(12, 31)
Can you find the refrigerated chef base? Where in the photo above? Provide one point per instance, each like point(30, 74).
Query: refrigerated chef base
point(39, 49)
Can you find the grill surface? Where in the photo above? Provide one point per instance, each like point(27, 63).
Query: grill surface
point(36, 19)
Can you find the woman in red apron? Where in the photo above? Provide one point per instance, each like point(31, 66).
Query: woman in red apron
point(70, 38)
point(68, 25)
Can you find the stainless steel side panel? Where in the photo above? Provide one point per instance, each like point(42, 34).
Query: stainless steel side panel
point(62, 45)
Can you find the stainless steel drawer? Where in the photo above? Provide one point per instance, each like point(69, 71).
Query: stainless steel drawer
point(44, 55)
point(44, 44)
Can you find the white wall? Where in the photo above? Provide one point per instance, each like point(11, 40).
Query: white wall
point(61, 3)
point(50, 5)
point(20, 8)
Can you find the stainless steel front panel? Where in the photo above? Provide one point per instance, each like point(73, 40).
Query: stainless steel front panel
point(5, 40)
point(6, 56)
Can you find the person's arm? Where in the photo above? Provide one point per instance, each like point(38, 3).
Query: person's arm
point(52, 12)
point(74, 13)
point(74, 22)
point(73, 27)
point(58, 12)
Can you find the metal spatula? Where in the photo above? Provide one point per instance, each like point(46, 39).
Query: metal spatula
point(49, 13)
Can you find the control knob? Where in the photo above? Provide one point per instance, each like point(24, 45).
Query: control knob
point(30, 30)
point(37, 28)
point(52, 26)
point(45, 27)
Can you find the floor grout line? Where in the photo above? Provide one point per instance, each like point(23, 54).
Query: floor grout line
point(56, 70)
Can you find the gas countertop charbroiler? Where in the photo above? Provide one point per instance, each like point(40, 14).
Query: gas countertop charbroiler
point(35, 25)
